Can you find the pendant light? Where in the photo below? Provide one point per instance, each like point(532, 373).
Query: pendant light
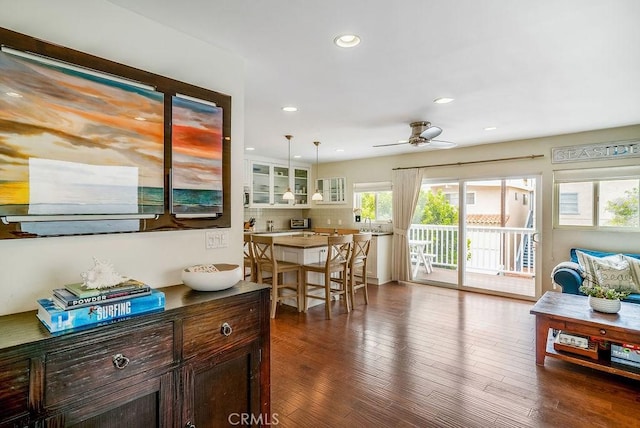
point(317, 196)
point(288, 195)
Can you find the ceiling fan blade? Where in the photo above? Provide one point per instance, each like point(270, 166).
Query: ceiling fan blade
point(392, 144)
point(440, 144)
point(431, 132)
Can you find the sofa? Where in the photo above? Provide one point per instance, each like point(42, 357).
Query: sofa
point(572, 273)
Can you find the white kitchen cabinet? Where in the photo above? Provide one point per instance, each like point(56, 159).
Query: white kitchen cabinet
point(333, 190)
point(269, 181)
point(379, 259)
point(300, 187)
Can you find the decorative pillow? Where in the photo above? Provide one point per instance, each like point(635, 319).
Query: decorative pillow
point(617, 277)
point(588, 264)
point(634, 266)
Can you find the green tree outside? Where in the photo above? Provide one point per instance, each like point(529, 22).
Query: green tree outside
point(433, 208)
point(624, 209)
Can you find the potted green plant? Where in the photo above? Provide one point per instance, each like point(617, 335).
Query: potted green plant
point(604, 299)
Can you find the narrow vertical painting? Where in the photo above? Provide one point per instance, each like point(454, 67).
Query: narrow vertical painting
point(77, 141)
point(196, 166)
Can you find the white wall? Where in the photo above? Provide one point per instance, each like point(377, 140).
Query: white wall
point(555, 243)
point(31, 268)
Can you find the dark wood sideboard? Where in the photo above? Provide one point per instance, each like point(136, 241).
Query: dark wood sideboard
point(202, 362)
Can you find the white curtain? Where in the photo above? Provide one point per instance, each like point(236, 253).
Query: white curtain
point(406, 189)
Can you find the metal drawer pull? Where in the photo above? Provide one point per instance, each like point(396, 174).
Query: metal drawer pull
point(189, 425)
point(120, 361)
point(226, 329)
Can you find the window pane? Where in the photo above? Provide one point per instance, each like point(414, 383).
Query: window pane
point(581, 209)
point(374, 205)
point(383, 206)
point(569, 203)
point(618, 203)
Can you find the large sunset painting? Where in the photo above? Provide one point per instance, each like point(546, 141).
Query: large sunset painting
point(196, 147)
point(77, 142)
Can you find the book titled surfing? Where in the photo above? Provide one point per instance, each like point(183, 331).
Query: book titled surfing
point(57, 319)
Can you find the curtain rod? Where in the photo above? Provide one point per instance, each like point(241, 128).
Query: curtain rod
point(472, 162)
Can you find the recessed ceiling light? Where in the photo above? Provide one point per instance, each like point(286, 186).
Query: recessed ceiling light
point(347, 41)
point(490, 128)
point(14, 94)
point(297, 156)
point(339, 150)
point(289, 108)
point(250, 149)
point(443, 100)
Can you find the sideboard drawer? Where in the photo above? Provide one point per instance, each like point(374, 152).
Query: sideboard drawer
point(233, 323)
point(14, 390)
point(87, 369)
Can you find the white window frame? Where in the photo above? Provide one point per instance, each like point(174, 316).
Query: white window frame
point(376, 188)
point(594, 176)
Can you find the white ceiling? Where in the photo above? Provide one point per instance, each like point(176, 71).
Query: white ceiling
point(529, 68)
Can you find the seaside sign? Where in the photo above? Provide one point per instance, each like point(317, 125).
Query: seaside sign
point(598, 151)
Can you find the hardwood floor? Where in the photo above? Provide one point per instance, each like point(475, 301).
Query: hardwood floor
point(422, 356)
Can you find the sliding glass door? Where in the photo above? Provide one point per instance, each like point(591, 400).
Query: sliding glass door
point(477, 234)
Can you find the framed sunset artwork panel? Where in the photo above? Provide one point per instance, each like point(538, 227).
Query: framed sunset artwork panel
point(196, 165)
point(77, 141)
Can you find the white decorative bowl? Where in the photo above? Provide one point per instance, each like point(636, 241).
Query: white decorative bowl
point(225, 277)
point(607, 306)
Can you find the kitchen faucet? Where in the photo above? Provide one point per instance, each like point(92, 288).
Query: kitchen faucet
point(370, 229)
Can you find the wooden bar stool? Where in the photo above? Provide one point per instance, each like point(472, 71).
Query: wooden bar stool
point(249, 263)
point(358, 266)
point(337, 263)
point(266, 262)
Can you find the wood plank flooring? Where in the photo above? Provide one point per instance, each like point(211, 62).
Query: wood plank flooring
point(423, 356)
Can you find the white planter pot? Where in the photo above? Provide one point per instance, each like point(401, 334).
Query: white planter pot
point(604, 305)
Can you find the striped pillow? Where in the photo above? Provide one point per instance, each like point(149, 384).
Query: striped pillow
point(634, 266)
point(588, 264)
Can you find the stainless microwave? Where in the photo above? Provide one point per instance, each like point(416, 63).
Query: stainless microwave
point(300, 223)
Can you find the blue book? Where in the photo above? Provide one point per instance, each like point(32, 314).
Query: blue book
point(57, 319)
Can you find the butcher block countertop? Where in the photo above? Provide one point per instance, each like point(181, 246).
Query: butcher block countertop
point(301, 241)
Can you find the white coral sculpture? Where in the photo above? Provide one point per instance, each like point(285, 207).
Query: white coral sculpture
point(101, 275)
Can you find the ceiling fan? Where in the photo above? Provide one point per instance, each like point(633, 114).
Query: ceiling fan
point(423, 134)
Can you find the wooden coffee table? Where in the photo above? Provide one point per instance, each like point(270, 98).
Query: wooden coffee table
point(571, 313)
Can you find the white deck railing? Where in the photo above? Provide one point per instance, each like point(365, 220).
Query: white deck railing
point(489, 249)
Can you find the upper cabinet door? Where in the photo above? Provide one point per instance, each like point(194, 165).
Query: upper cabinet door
point(332, 189)
point(301, 187)
point(261, 185)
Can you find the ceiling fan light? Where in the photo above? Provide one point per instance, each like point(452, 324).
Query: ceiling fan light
point(431, 132)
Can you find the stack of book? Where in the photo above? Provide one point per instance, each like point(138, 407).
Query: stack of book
point(76, 306)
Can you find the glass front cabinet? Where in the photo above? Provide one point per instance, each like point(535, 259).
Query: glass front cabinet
point(269, 182)
point(332, 190)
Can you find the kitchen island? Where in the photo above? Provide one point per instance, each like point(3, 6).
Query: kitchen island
point(302, 249)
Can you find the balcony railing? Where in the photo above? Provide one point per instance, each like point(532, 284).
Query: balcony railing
point(492, 250)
